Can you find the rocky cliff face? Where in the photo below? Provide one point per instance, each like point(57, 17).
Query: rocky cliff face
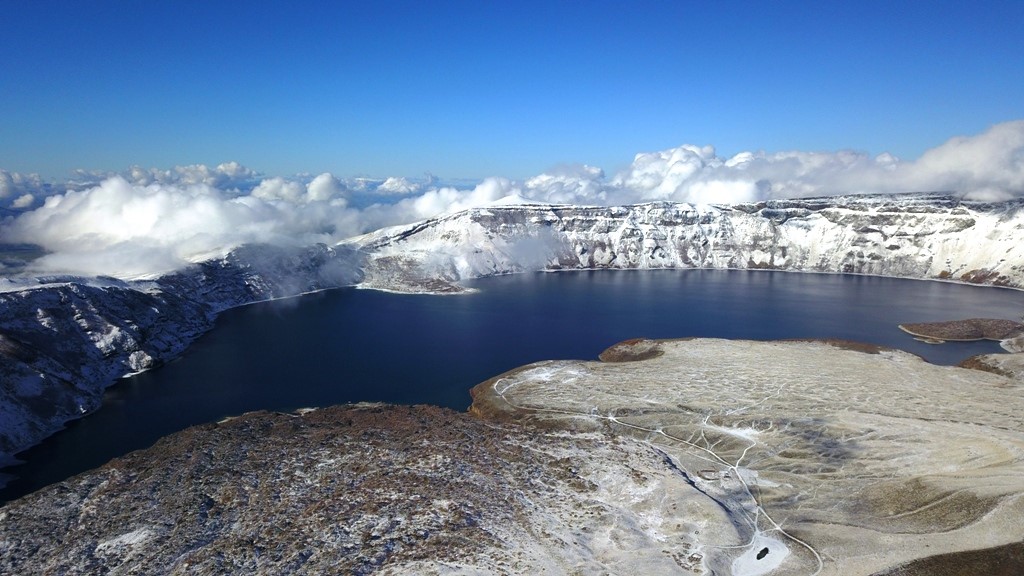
point(914, 236)
point(64, 341)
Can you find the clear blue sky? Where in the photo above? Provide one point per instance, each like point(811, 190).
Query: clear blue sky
point(473, 89)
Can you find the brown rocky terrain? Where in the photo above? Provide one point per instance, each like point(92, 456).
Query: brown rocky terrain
point(355, 490)
point(965, 330)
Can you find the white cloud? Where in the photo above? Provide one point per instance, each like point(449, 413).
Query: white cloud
point(448, 199)
point(19, 190)
point(23, 201)
point(148, 220)
point(722, 191)
point(398, 185)
point(990, 164)
point(228, 176)
point(278, 188)
point(666, 175)
point(325, 187)
point(124, 229)
point(986, 166)
point(578, 184)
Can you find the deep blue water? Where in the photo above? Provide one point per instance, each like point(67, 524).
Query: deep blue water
point(351, 345)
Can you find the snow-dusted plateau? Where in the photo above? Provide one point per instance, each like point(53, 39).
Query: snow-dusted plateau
point(749, 469)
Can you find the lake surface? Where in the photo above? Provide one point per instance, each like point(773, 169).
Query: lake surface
point(352, 345)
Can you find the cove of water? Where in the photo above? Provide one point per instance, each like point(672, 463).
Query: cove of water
point(350, 345)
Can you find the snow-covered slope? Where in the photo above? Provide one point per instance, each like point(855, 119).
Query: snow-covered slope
point(64, 341)
point(916, 236)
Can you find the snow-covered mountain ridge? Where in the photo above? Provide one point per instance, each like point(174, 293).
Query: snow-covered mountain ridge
point(65, 340)
point(930, 236)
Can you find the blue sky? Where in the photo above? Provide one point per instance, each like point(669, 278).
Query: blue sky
point(475, 89)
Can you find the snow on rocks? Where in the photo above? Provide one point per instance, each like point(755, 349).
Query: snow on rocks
point(918, 236)
point(63, 342)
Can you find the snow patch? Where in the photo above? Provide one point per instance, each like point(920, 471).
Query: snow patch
point(763, 555)
point(137, 536)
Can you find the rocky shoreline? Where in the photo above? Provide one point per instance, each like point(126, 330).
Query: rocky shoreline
point(671, 457)
point(64, 340)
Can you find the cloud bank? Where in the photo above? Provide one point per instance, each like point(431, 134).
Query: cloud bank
point(148, 221)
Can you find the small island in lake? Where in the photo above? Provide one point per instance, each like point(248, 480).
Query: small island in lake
point(965, 330)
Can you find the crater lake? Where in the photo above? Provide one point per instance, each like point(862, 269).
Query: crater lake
point(352, 345)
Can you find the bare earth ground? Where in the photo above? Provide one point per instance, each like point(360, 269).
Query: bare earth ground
point(836, 461)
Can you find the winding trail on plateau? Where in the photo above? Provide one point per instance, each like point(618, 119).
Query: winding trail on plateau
point(706, 452)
